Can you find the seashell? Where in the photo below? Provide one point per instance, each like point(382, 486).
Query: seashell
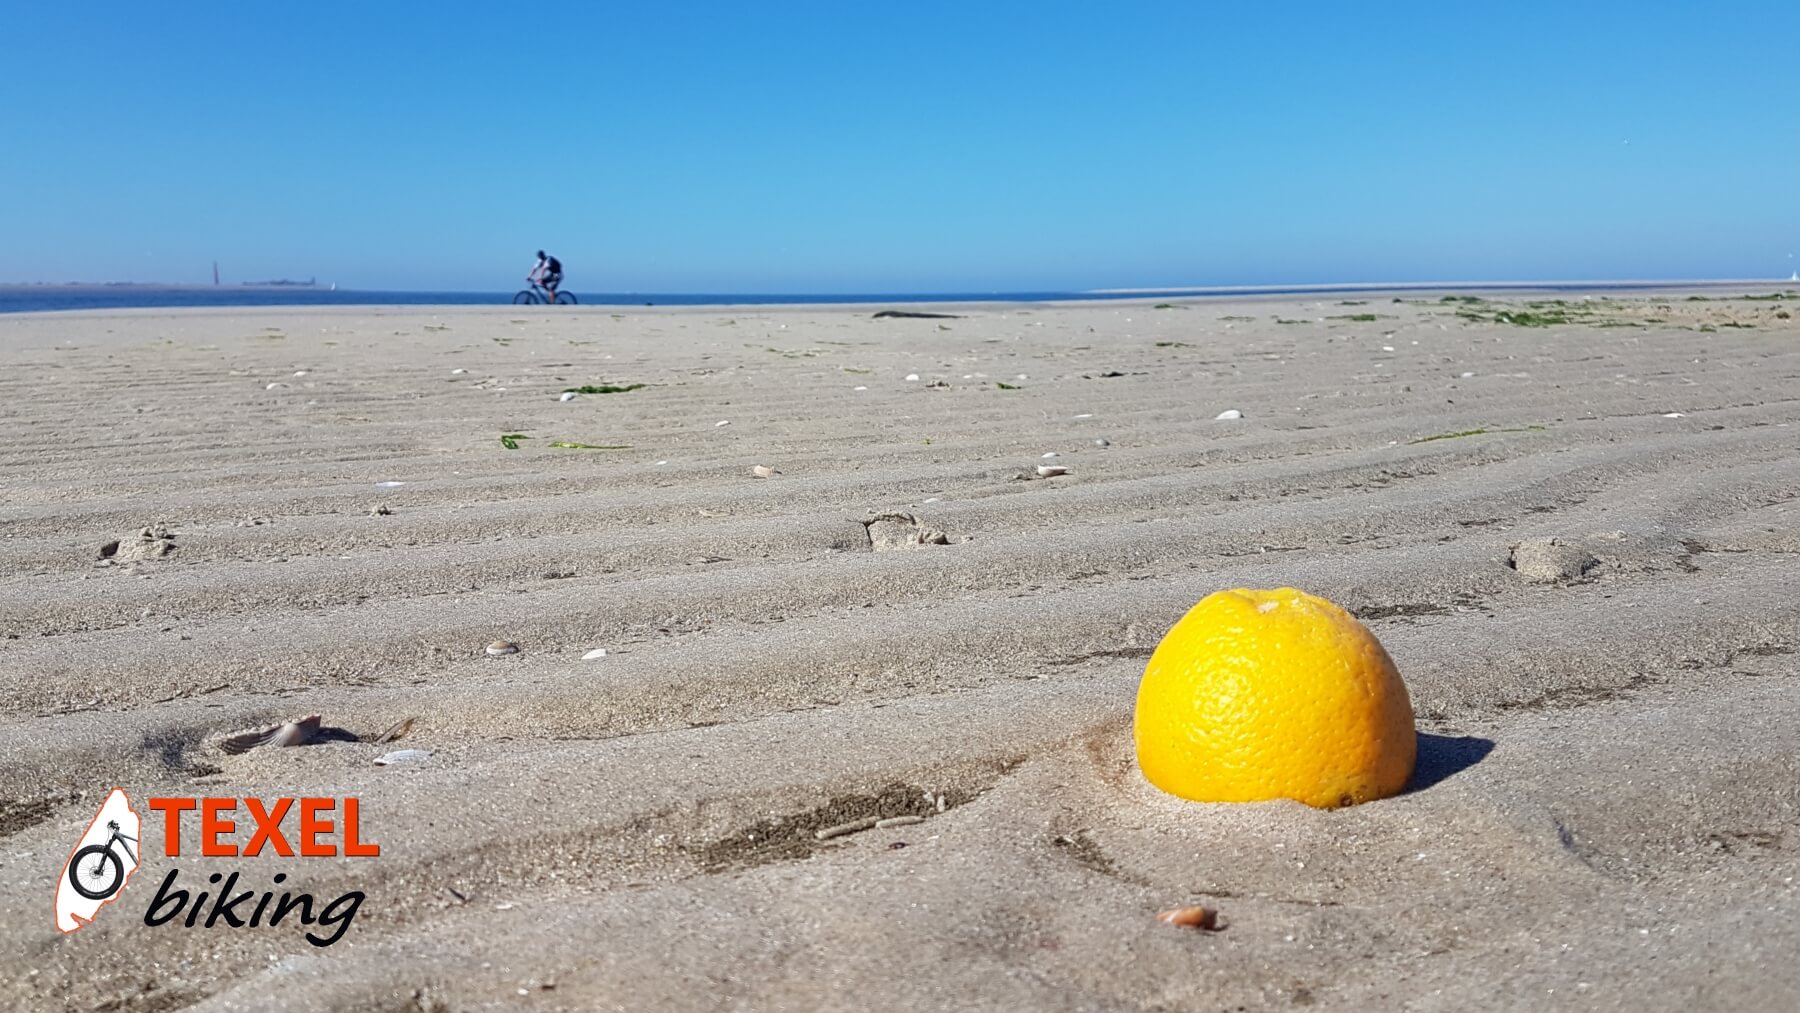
point(567, 395)
point(1102, 443)
point(500, 647)
point(275, 386)
point(458, 372)
point(390, 485)
point(1204, 918)
point(595, 654)
point(1674, 415)
point(912, 376)
point(291, 733)
point(1387, 348)
point(300, 372)
point(1229, 413)
point(763, 471)
point(721, 423)
point(1051, 470)
point(402, 756)
point(1050, 455)
point(1088, 415)
point(1466, 374)
point(859, 388)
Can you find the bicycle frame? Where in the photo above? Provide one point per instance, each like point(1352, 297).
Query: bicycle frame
point(122, 838)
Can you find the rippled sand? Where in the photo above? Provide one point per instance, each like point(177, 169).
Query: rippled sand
point(1610, 765)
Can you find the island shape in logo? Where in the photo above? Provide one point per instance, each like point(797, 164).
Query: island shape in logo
point(100, 864)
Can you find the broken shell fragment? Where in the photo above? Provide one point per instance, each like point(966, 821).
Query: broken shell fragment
point(1228, 414)
point(402, 756)
point(291, 733)
point(1204, 918)
point(595, 654)
point(1051, 470)
point(500, 647)
point(763, 471)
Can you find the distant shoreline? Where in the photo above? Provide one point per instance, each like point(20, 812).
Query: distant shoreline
point(70, 297)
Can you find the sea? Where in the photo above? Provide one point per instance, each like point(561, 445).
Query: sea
point(41, 298)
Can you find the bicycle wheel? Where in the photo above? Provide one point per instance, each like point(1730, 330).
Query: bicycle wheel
point(566, 298)
point(525, 298)
point(95, 872)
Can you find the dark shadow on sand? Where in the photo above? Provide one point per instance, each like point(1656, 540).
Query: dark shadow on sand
point(1442, 756)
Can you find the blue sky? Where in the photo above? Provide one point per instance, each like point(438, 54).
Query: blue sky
point(848, 147)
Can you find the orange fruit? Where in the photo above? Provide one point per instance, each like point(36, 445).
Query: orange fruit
point(1259, 695)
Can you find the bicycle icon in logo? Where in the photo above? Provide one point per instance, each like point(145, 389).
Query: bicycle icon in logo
point(96, 871)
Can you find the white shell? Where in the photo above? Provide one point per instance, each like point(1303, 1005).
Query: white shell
point(595, 654)
point(763, 471)
point(1674, 415)
point(1229, 413)
point(458, 372)
point(500, 647)
point(402, 756)
point(1051, 470)
point(912, 376)
point(567, 395)
point(721, 422)
point(1051, 454)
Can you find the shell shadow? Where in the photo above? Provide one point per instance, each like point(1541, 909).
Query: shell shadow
point(1443, 756)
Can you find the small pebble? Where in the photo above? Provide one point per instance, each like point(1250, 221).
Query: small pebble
point(1102, 443)
point(1466, 374)
point(595, 654)
point(1229, 413)
point(1191, 917)
point(859, 388)
point(500, 647)
point(912, 376)
point(763, 471)
point(1387, 348)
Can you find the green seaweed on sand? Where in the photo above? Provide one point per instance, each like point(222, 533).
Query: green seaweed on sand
point(1167, 306)
point(1477, 432)
point(1007, 386)
point(603, 388)
point(858, 372)
point(1361, 318)
point(572, 445)
point(1173, 344)
point(1236, 318)
point(1279, 320)
point(1469, 299)
point(511, 440)
point(1773, 297)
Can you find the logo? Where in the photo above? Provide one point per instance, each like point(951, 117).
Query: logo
point(107, 854)
point(101, 864)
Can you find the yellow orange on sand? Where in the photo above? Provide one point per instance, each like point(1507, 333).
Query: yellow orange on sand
point(1259, 695)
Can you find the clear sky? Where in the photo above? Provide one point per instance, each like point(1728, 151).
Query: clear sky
point(841, 146)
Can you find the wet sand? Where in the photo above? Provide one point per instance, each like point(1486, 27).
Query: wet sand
point(1610, 768)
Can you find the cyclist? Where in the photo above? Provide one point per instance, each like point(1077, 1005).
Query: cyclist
point(547, 272)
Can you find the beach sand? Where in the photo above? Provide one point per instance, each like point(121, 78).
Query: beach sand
point(1604, 815)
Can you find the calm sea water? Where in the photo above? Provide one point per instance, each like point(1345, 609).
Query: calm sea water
point(38, 298)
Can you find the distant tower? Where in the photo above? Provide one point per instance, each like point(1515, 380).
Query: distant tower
point(215, 274)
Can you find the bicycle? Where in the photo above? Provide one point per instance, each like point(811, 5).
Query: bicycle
point(538, 294)
point(102, 877)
